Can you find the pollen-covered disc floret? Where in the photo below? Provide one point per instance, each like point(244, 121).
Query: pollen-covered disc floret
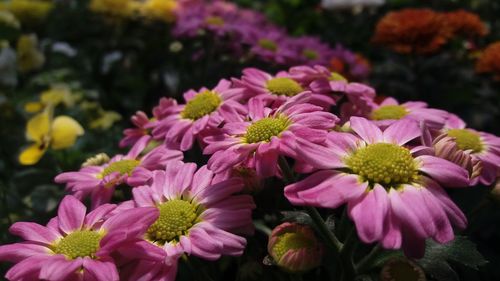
point(79, 244)
point(467, 139)
point(202, 104)
point(383, 163)
point(266, 128)
point(387, 112)
point(176, 218)
point(283, 86)
point(291, 241)
point(125, 166)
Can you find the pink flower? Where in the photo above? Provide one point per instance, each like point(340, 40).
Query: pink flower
point(201, 112)
point(480, 146)
point(390, 110)
point(198, 216)
point(276, 90)
point(142, 128)
point(74, 246)
point(393, 192)
point(263, 134)
point(134, 169)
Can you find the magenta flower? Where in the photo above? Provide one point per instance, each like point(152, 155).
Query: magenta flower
point(200, 113)
point(272, 45)
point(142, 128)
point(480, 146)
point(393, 192)
point(263, 134)
point(312, 51)
point(198, 216)
point(275, 90)
point(390, 110)
point(99, 181)
point(74, 246)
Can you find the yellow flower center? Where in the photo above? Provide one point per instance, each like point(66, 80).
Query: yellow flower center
point(266, 128)
point(310, 54)
point(334, 76)
point(284, 86)
point(383, 163)
point(291, 241)
point(268, 44)
point(467, 139)
point(200, 105)
point(123, 167)
point(389, 112)
point(79, 244)
point(176, 218)
point(215, 21)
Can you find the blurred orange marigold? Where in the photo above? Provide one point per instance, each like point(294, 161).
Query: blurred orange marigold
point(489, 61)
point(420, 31)
point(464, 23)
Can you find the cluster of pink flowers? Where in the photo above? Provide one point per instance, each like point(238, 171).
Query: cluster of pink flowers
point(388, 163)
point(248, 34)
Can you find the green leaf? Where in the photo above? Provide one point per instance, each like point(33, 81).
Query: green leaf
point(460, 251)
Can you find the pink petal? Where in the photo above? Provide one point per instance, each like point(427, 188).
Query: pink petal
point(369, 214)
point(318, 156)
point(34, 232)
point(143, 196)
point(203, 246)
point(402, 131)
point(71, 214)
point(328, 189)
point(98, 214)
point(266, 158)
point(58, 268)
point(141, 217)
point(392, 237)
point(366, 130)
point(20, 251)
point(444, 171)
point(27, 269)
point(102, 270)
point(143, 249)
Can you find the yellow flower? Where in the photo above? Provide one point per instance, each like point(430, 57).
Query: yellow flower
point(8, 19)
point(59, 94)
point(117, 8)
point(45, 132)
point(28, 56)
point(28, 11)
point(159, 10)
point(105, 120)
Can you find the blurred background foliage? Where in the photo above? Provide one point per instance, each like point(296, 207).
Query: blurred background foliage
point(112, 68)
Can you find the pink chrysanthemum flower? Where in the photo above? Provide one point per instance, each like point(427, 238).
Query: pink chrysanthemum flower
point(143, 126)
point(263, 134)
point(99, 181)
point(479, 145)
point(275, 90)
point(201, 112)
point(390, 110)
point(74, 246)
point(393, 192)
point(198, 216)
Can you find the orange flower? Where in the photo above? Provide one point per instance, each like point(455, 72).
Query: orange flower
point(464, 23)
point(420, 31)
point(489, 61)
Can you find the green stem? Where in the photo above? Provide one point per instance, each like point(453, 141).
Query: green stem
point(346, 254)
point(367, 262)
point(288, 175)
point(333, 241)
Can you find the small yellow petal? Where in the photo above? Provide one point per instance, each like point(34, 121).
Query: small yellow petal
point(33, 107)
point(65, 130)
point(32, 154)
point(38, 127)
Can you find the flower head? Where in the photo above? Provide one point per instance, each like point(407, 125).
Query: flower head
point(201, 112)
point(419, 31)
point(489, 61)
point(163, 10)
point(198, 215)
point(385, 182)
point(262, 134)
point(99, 181)
point(294, 247)
point(74, 244)
point(480, 146)
point(465, 24)
point(46, 132)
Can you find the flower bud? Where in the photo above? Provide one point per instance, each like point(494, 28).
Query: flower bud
point(402, 269)
point(294, 247)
